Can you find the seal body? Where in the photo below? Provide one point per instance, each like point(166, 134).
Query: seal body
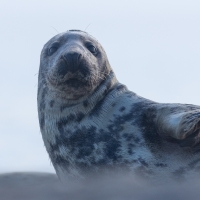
point(91, 123)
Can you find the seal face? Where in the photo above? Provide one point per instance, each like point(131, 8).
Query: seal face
point(90, 122)
point(75, 64)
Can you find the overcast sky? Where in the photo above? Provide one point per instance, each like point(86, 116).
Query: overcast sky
point(152, 45)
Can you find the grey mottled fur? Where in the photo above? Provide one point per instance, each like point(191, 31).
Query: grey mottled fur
point(91, 123)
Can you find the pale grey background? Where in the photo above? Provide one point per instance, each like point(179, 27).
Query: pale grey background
point(153, 47)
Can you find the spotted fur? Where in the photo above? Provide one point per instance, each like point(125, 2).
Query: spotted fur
point(98, 124)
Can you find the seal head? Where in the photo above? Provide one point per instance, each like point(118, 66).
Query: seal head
point(74, 64)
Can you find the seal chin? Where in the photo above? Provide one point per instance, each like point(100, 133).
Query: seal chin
point(72, 86)
point(74, 83)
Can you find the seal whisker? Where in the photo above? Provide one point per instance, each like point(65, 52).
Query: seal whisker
point(54, 29)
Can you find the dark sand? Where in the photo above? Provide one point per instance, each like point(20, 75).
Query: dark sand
point(43, 186)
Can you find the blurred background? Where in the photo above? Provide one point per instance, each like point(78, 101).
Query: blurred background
point(153, 47)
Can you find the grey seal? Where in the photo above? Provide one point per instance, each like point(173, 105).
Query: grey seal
point(91, 123)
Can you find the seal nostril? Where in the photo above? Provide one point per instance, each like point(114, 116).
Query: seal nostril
point(62, 69)
point(76, 56)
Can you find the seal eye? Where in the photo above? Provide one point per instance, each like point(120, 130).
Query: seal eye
point(53, 48)
point(92, 49)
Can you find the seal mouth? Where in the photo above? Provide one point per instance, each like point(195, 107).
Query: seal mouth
point(74, 82)
point(68, 81)
point(69, 76)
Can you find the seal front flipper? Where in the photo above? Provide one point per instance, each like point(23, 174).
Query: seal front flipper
point(181, 122)
point(190, 130)
point(192, 140)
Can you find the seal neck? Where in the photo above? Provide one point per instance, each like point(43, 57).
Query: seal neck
point(105, 87)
